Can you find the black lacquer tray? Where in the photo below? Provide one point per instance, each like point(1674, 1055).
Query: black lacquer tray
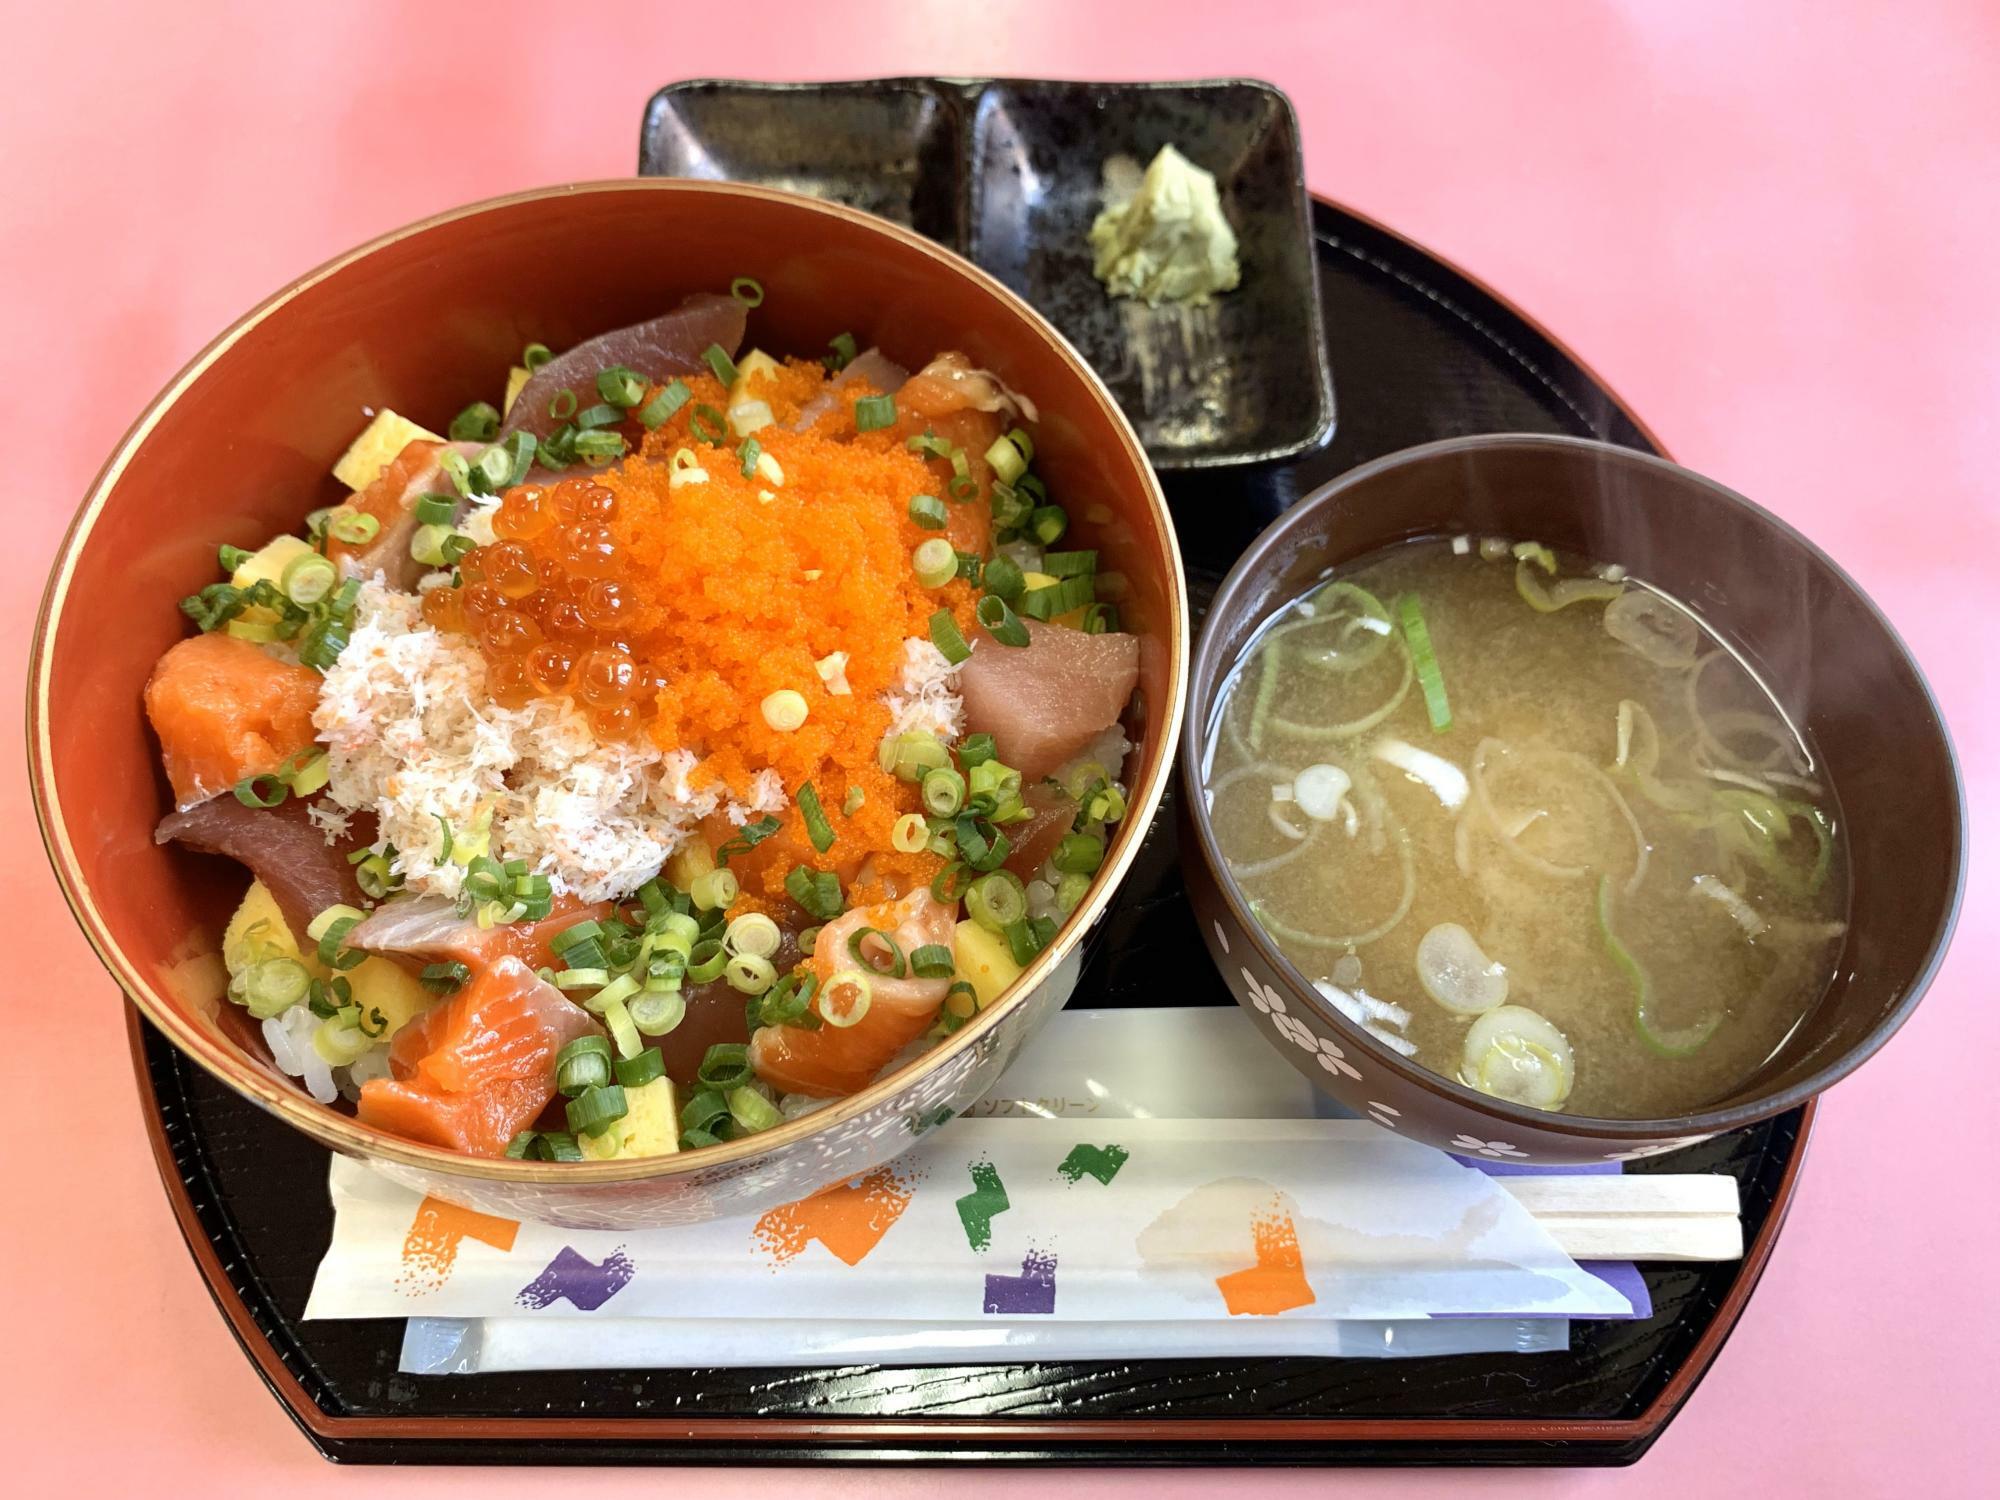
point(1420, 351)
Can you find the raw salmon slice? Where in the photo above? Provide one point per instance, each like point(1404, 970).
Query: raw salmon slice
point(835, 1060)
point(479, 1124)
point(224, 709)
point(474, 1072)
point(392, 500)
point(505, 1024)
point(430, 927)
point(1043, 702)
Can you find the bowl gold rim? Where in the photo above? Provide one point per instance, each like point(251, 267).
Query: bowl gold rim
point(344, 1133)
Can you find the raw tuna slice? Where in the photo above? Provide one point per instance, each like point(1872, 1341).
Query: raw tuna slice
point(1045, 701)
point(870, 367)
point(660, 349)
point(392, 500)
point(474, 1072)
point(837, 1060)
point(283, 848)
point(1035, 841)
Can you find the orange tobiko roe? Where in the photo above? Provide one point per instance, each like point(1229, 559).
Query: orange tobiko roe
point(674, 612)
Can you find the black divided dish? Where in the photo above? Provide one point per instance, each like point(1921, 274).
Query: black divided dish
point(1423, 353)
point(1009, 174)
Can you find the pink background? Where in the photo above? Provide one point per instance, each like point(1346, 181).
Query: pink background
point(1770, 228)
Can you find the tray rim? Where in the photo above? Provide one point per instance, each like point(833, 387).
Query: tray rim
point(1612, 1439)
point(967, 91)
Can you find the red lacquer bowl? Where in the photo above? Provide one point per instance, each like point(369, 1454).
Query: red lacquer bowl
point(425, 320)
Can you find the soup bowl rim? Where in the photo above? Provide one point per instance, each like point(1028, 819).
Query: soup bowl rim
point(1236, 595)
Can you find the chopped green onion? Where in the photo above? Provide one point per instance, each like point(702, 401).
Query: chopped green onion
point(818, 829)
point(671, 399)
point(231, 558)
point(726, 1065)
point(1001, 622)
point(997, 901)
point(579, 1072)
point(912, 755)
point(911, 834)
point(889, 965)
point(352, 527)
point(657, 1012)
point(518, 1148)
point(1417, 636)
point(596, 1110)
point(446, 978)
point(943, 792)
point(309, 579)
point(950, 884)
point(747, 290)
point(1057, 598)
point(969, 566)
point(809, 939)
point(714, 890)
point(562, 405)
point(931, 961)
point(842, 345)
point(1069, 564)
point(817, 892)
point(946, 636)
point(535, 356)
point(436, 510)
point(748, 974)
point(721, 363)
point(846, 998)
point(376, 873)
point(854, 800)
point(637, 1072)
point(1668, 1041)
point(980, 844)
point(1006, 460)
point(963, 487)
point(1079, 854)
point(557, 1145)
point(1004, 579)
point(707, 961)
point(748, 454)
point(1047, 523)
point(266, 790)
point(1070, 891)
point(1027, 938)
point(748, 837)
point(751, 1111)
point(873, 412)
point(975, 750)
point(935, 562)
point(753, 933)
point(1100, 619)
point(620, 386)
point(272, 987)
point(478, 423)
point(604, 414)
point(928, 512)
point(708, 424)
point(581, 979)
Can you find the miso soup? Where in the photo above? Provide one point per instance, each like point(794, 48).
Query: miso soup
point(1529, 822)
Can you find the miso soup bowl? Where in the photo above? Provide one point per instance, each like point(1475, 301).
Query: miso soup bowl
point(425, 320)
point(1825, 650)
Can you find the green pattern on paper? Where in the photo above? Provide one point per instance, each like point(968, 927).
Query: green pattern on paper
point(1101, 1162)
point(978, 1208)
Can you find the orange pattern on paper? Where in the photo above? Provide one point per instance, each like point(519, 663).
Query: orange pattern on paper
point(431, 1247)
point(1277, 1282)
point(849, 1219)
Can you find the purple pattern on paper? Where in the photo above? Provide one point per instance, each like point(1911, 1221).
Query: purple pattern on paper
point(1033, 1291)
point(1531, 1169)
point(586, 1284)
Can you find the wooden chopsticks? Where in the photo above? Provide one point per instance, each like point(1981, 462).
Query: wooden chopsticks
point(1637, 1216)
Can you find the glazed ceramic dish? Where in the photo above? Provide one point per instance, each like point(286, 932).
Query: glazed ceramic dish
point(240, 444)
point(1833, 662)
point(1011, 173)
